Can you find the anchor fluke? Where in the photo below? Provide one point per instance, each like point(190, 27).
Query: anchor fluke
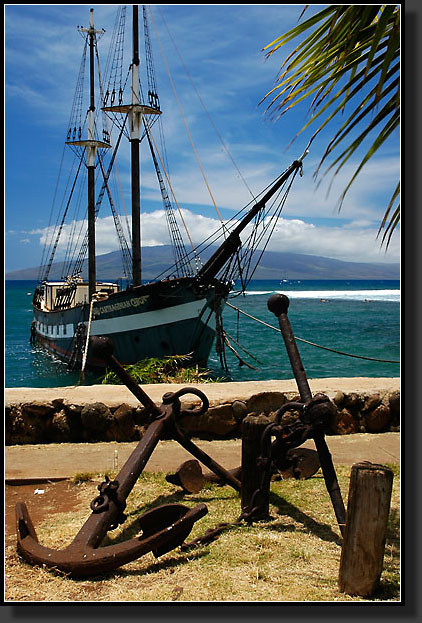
point(163, 528)
point(163, 517)
point(79, 560)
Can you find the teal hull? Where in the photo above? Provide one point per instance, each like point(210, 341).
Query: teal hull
point(154, 320)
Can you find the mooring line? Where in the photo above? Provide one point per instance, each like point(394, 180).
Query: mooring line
point(84, 358)
point(332, 350)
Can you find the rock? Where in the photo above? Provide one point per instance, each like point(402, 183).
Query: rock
point(240, 410)
point(96, 419)
point(8, 421)
point(220, 421)
point(394, 404)
point(339, 399)
point(58, 404)
point(217, 420)
point(353, 402)
point(378, 420)
point(37, 409)
point(265, 402)
point(138, 432)
point(73, 410)
point(371, 403)
point(24, 429)
point(59, 429)
point(141, 416)
point(344, 423)
point(123, 425)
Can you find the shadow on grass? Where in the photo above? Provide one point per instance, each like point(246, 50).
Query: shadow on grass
point(321, 530)
point(154, 567)
point(178, 497)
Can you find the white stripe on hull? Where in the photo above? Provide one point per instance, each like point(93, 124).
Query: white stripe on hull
point(55, 331)
point(146, 320)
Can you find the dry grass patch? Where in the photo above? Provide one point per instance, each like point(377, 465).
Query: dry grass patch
point(292, 556)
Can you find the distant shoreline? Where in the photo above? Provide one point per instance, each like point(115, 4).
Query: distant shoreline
point(273, 265)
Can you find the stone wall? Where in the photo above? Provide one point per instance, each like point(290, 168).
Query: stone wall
point(61, 421)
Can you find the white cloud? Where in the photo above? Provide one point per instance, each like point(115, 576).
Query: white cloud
point(355, 244)
point(221, 47)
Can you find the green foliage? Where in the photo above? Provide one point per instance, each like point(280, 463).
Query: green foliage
point(167, 370)
point(82, 477)
point(351, 57)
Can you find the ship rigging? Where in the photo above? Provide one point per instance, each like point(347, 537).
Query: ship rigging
point(179, 311)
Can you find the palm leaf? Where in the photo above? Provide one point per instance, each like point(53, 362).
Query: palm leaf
point(346, 48)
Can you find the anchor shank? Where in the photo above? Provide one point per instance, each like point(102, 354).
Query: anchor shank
point(136, 390)
point(136, 462)
point(98, 524)
point(279, 304)
point(331, 481)
point(294, 357)
point(102, 348)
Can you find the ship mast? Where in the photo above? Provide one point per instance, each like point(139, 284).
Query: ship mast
point(91, 146)
point(135, 111)
point(135, 123)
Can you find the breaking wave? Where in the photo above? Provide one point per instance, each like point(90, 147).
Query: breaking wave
point(352, 295)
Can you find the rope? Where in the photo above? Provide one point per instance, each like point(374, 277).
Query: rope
point(170, 186)
point(186, 125)
point(205, 109)
point(332, 350)
point(82, 377)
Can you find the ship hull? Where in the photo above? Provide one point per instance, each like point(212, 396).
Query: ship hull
point(153, 320)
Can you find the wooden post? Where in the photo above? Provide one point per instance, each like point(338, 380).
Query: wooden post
point(368, 508)
point(252, 472)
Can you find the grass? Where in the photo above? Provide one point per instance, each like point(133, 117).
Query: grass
point(172, 369)
point(82, 477)
point(293, 556)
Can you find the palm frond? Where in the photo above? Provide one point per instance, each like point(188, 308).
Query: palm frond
point(343, 50)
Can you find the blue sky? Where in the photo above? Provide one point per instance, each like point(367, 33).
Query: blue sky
point(221, 46)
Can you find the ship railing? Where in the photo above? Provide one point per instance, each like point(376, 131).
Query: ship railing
point(38, 296)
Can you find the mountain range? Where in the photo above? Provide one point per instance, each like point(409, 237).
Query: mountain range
point(273, 265)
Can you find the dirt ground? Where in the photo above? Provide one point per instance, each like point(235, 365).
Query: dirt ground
point(57, 497)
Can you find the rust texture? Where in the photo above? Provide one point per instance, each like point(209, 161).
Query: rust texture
point(162, 528)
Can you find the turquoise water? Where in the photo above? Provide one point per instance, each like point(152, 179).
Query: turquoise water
point(358, 317)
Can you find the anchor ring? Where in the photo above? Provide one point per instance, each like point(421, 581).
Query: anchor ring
point(174, 398)
point(100, 504)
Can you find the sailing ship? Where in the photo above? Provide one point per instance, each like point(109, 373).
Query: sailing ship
point(180, 312)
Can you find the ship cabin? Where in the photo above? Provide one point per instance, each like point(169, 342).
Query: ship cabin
point(60, 295)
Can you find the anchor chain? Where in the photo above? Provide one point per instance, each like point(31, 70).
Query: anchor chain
point(109, 492)
point(263, 462)
point(312, 419)
point(247, 516)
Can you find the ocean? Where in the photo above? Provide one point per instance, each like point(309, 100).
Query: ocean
point(361, 318)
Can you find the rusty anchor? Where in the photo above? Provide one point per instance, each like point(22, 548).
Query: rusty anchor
point(163, 528)
point(314, 412)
